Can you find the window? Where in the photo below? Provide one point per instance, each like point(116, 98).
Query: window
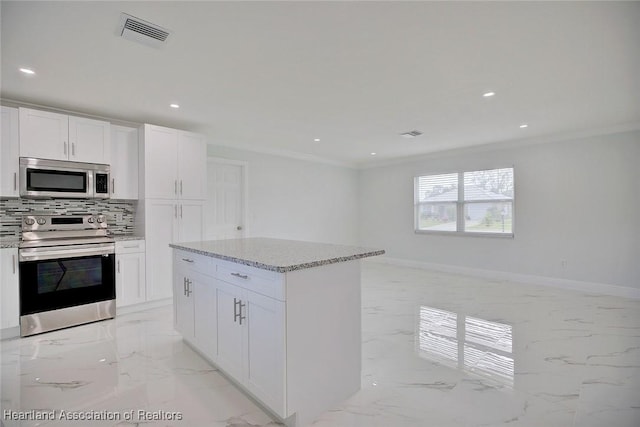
point(472, 202)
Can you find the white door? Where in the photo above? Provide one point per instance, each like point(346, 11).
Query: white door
point(90, 140)
point(9, 150)
point(231, 339)
point(192, 164)
point(161, 228)
point(225, 206)
point(44, 135)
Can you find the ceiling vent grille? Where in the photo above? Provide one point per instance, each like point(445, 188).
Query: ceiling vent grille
point(411, 134)
point(141, 31)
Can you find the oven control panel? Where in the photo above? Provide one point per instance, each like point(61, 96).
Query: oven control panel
point(63, 222)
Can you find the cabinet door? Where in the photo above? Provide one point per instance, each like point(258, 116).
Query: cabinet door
point(160, 165)
point(44, 135)
point(130, 279)
point(192, 166)
point(160, 230)
point(124, 162)
point(9, 300)
point(204, 313)
point(265, 356)
point(183, 297)
point(231, 336)
point(191, 215)
point(89, 140)
point(9, 152)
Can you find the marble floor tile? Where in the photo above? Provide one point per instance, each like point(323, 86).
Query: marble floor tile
point(438, 350)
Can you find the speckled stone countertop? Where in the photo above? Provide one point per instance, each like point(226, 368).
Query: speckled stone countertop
point(9, 243)
point(276, 254)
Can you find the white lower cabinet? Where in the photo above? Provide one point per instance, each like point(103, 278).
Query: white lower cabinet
point(130, 272)
point(9, 288)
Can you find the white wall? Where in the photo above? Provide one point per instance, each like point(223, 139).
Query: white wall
point(577, 201)
point(298, 199)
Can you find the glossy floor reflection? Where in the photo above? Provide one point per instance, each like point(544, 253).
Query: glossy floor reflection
point(438, 350)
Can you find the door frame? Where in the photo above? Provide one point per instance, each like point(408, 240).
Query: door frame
point(245, 188)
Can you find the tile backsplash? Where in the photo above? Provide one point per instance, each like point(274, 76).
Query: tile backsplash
point(120, 213)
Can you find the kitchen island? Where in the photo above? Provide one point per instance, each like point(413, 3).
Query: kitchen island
point(280, 318)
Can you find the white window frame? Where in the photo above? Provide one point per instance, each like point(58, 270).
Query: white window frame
point(460, 205)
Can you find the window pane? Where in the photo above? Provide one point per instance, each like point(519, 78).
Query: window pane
point(437, 216)
point(438, 188)
point(488, 184)
point(488, 217)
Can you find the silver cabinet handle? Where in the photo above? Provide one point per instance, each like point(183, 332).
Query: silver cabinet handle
point(118, 266)
point(131, 247)
point(181, 187)
point(13, 258)
point(187, 259)
point(73, 148)
point(180, 211)
point(175, 186)
point(113, 185)
point(184, 286)
point(15, 181)
point(242, 276)
point(189, 291)
point(235, 310)
point(65, 148)
point(241, 316)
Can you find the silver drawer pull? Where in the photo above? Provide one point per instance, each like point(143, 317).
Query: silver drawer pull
point(242, 276)
point(187, 259)
point(130, 247)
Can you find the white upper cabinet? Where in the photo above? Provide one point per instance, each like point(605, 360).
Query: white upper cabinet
point(47, 135)
point(175, 164)
point(89, 140)
point(124, 162)
point(9, 153)
point(192, 166)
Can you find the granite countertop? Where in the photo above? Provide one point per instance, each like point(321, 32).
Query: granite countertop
point(277, 254)
point(122, 237)
point(9, 243)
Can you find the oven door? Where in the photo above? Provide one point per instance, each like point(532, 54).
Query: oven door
point(57, 277)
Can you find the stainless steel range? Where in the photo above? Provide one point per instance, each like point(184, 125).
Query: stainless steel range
point(67, 272)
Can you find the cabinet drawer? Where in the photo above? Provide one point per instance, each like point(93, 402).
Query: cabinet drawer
point(264, 282)
point(193, 261)
point(129, 246)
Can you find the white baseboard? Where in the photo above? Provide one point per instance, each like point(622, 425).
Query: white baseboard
point(143, 306)
point(575, 285)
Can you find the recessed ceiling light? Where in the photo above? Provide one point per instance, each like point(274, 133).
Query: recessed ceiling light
point(174, 106)
point(488, 94)
point(316, 140)
point(524, 125)
point(27, 71)
point(373, 154)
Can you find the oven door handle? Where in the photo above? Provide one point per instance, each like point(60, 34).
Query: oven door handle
point(39, 254)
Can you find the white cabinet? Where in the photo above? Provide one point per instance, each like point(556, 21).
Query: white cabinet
point(130, 272)
point(9, 153)
point(9, 292)
point(175, 164)
point(55, 136)
point(195, 303)
point(124, 162)
point(168, 221)
point(251, 346)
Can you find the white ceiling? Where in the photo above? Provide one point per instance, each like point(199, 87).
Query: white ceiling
point(276, 75)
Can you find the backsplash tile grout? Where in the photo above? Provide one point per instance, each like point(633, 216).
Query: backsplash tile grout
point(120, 213)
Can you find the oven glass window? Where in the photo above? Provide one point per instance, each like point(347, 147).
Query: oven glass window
point(69, 274)
point(52, 180)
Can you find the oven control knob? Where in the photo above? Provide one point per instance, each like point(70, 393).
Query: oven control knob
point(42, 221)
point(101, 219)
point(90, 220)
point(29, 221)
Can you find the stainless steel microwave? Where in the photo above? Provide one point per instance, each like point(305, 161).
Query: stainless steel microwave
point(56, 178)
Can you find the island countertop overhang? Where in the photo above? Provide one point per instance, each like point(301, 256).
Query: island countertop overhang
point(277, 254)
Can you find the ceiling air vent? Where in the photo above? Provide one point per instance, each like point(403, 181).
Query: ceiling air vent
point(141, 31)
point(411, 134)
